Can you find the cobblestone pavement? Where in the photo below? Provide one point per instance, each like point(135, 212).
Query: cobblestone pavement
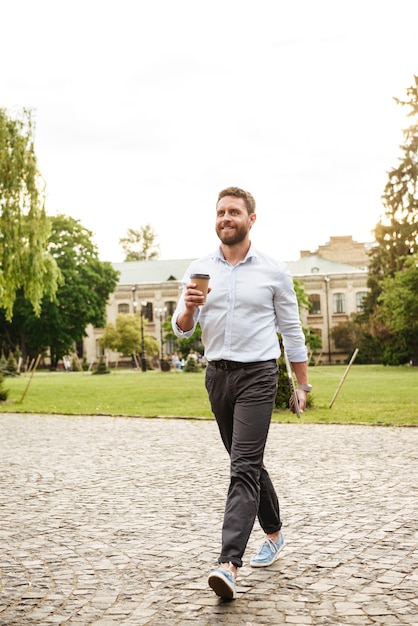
point(111, 521)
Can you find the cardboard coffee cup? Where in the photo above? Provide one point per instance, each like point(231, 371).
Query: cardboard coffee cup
point(202, 282)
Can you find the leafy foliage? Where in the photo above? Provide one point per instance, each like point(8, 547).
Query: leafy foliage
point(192, 365)
point(183, 346)
point(139, 245)
point(101, 367)
point(25, 263)
point(4, 393)
point(81, 297)
point(125, 336)
point(11, 368)
point(397, 240)
point(347, 335)
point(398, 311)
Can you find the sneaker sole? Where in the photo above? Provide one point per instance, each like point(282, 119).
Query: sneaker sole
point(221, 587)
point(276, 556)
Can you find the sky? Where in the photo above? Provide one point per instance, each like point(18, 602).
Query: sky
point(145, 110)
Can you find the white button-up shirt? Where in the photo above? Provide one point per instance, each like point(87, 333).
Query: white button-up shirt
point(248, 304)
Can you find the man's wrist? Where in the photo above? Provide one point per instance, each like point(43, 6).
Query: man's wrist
point(306, 388)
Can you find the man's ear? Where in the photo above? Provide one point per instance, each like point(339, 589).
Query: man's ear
point(253, 217)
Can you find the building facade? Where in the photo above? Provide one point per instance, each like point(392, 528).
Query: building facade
point(335, 292)
point(335, 289)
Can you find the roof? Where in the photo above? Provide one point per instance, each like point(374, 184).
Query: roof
point(161, 271)
point(315, 264)
point(142, 272)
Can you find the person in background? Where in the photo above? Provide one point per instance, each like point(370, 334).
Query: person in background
point(251, 298)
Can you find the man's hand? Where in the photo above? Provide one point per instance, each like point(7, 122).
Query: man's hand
point(193, 299)
point(302, 397)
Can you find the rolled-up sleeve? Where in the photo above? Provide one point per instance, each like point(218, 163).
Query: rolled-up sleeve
point(183, 334)
point(288, 321)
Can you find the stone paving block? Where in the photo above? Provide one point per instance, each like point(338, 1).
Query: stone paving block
point(96, 529)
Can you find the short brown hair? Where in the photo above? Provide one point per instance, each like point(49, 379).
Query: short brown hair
point(239, 193)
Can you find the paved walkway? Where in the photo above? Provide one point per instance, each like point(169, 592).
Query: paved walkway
point(117, 521)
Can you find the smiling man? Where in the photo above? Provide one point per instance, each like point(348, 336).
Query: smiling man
point(251, 298)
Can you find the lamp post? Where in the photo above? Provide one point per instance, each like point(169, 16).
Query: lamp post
point(143, 359)
point(326, 279)
point(134, 305)
point(160, 311)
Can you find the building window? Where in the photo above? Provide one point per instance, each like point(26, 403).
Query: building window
point(148, 312)
point(171, 307)
point(123, 308)
point(360, 297)
point(339, 303)
point(99, 349)
point(315, 304)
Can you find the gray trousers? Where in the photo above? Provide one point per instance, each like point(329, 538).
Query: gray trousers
point(242, 401)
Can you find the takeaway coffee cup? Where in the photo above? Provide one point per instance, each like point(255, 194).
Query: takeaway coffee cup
point(202, 282)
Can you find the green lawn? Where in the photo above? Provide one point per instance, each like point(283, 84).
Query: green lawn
point(370, 394)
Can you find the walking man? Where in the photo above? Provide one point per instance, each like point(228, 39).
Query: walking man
point(251, 298)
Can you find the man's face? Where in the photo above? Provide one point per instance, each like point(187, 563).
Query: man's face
point(232, 220)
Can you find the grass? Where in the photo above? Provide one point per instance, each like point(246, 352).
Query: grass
point(371, 394)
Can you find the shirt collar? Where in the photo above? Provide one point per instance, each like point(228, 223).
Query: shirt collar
point(252, 255)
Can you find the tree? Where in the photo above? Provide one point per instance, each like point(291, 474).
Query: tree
point(25, 263)
point(80, 300)
point(397, 233)
point(347, 335)
point(125, 336)
point(183, 345)
point(398, 311)
point(139, 245)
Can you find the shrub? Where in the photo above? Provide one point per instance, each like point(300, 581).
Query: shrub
point(11, 366)
point(101, 367)
point(4, 393)
point(283, 388)
point(192, 365)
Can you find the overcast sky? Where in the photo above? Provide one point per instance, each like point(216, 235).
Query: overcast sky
point(144, 110)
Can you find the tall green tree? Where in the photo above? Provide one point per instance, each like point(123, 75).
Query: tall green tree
point(81, 298)
point(396, 234)
point(25, 263)
point(125, 336)
point(140, 245)
point(398, 311)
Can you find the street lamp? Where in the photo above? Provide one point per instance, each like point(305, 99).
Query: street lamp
point(134, 305)
point(143, 359)
point(327, 279)
point(160, 311)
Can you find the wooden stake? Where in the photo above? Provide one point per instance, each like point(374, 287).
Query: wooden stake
point(344, 377)
point(31, 376)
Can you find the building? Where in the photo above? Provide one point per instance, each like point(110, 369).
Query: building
point(336, 292)
point(343, 249)
point(150, 288)
point(335, 289)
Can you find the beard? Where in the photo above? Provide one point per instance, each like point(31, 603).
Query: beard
point(232, 237)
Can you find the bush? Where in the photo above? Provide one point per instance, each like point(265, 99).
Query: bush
point(192, 365)
point(11, 366)
point(283, 388)
point(101, 367)
point(165, 365)
point(4, 393)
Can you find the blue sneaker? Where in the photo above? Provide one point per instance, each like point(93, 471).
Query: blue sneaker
point(222, 581)
point(268, 553)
